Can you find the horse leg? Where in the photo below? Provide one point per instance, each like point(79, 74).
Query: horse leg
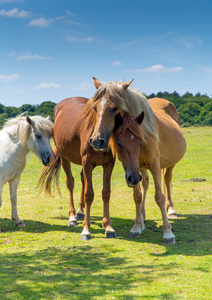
point(80, 212)
point(13, 184)
point(144, 186)
point(155, 169)
point(106, 222)
point(70, 186)
point(139, 220)
point(88, 196)
point(167, 187)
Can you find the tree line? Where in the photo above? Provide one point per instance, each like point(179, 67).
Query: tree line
point(194, 110)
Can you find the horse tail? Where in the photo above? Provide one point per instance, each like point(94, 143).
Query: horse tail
point(49, 174)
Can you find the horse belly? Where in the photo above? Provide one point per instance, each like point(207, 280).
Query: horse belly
point(172, 147)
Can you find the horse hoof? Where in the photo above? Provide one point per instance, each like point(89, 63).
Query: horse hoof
point(173, 216)
point(134, 234)
point(72, 223)
point(111, 235)
point(20, 224)
point(80, 216)
point(169, 241)
point(85, 237)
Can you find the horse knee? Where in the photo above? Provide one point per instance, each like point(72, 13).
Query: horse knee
point(89, 195)
point(106, 195)
point(160, 199)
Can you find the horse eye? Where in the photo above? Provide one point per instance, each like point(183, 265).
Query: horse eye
point(94, 108)
point(115, 109)
point(38, 136)
point(119, 144)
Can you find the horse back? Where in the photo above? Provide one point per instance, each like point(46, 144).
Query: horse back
point(167, 106)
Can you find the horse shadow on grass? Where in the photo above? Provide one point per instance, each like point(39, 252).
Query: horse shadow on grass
point(192, 232)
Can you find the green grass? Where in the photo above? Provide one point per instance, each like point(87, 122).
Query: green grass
point(47, 259)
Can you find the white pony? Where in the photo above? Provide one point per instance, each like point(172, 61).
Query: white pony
point(19, 136)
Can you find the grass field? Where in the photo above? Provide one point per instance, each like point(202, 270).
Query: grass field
point(47, 259)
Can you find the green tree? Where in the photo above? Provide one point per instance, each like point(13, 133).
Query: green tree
point(28, 108)
point(189, 113)
point(46, 109)
point(1, 108)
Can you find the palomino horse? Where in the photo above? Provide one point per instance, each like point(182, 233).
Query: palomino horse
point(73, 127)
point(161, 147)
point(19, 136)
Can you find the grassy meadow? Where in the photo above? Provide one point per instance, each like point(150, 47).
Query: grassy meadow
point(47, 259)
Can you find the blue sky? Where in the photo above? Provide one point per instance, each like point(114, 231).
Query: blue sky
point(50, 50)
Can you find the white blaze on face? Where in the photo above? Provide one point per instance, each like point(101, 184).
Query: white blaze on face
point(103, 102)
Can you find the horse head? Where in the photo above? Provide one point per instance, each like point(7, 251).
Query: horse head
point(39, 138)
point(107, 105)
point(126, 142)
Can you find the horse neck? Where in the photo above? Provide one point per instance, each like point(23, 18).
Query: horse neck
point(19, 147)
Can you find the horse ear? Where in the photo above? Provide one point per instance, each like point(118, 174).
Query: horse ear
point(30, 121)
point(127, 84)
point(96, 83)
point(139, 119)
point(118, 121)
point(47, 118)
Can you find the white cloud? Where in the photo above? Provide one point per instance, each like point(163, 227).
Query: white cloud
point(10, 1)
point(69, 13)
point(27, 56)
point(74, 39)
point(15, 13)
point(8, 78)
point(159, 69)
point(83, 86)
point(41, 22)
point(6, 1)
point(34, 56)
point(188, 42)
point(45, 85)
point(115, 63)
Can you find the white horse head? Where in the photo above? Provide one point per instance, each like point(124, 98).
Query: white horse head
point(41, 130)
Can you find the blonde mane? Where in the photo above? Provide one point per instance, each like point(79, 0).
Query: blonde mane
point(131, 101)
point(19, 128)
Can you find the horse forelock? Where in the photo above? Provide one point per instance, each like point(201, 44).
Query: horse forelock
point(129, 123)
point(131, 101)
point(43, 125)
point(19, 128)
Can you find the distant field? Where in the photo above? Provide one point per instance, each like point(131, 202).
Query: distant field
point(47, 259)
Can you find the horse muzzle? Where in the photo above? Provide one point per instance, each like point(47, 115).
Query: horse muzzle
point(133, 180)
point(48, 159)
point(99, 144)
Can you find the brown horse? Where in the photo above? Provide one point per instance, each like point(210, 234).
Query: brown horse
point(72, 132)
point(161, 147)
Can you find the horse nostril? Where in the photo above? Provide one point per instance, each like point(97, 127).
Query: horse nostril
point(101, 142)
point(133, 181)
point(91, 141)
point(46, 161)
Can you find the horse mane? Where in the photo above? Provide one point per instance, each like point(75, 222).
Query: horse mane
point(131, 101)
point(89, 116)
point(19, 128)
point(129, 123)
